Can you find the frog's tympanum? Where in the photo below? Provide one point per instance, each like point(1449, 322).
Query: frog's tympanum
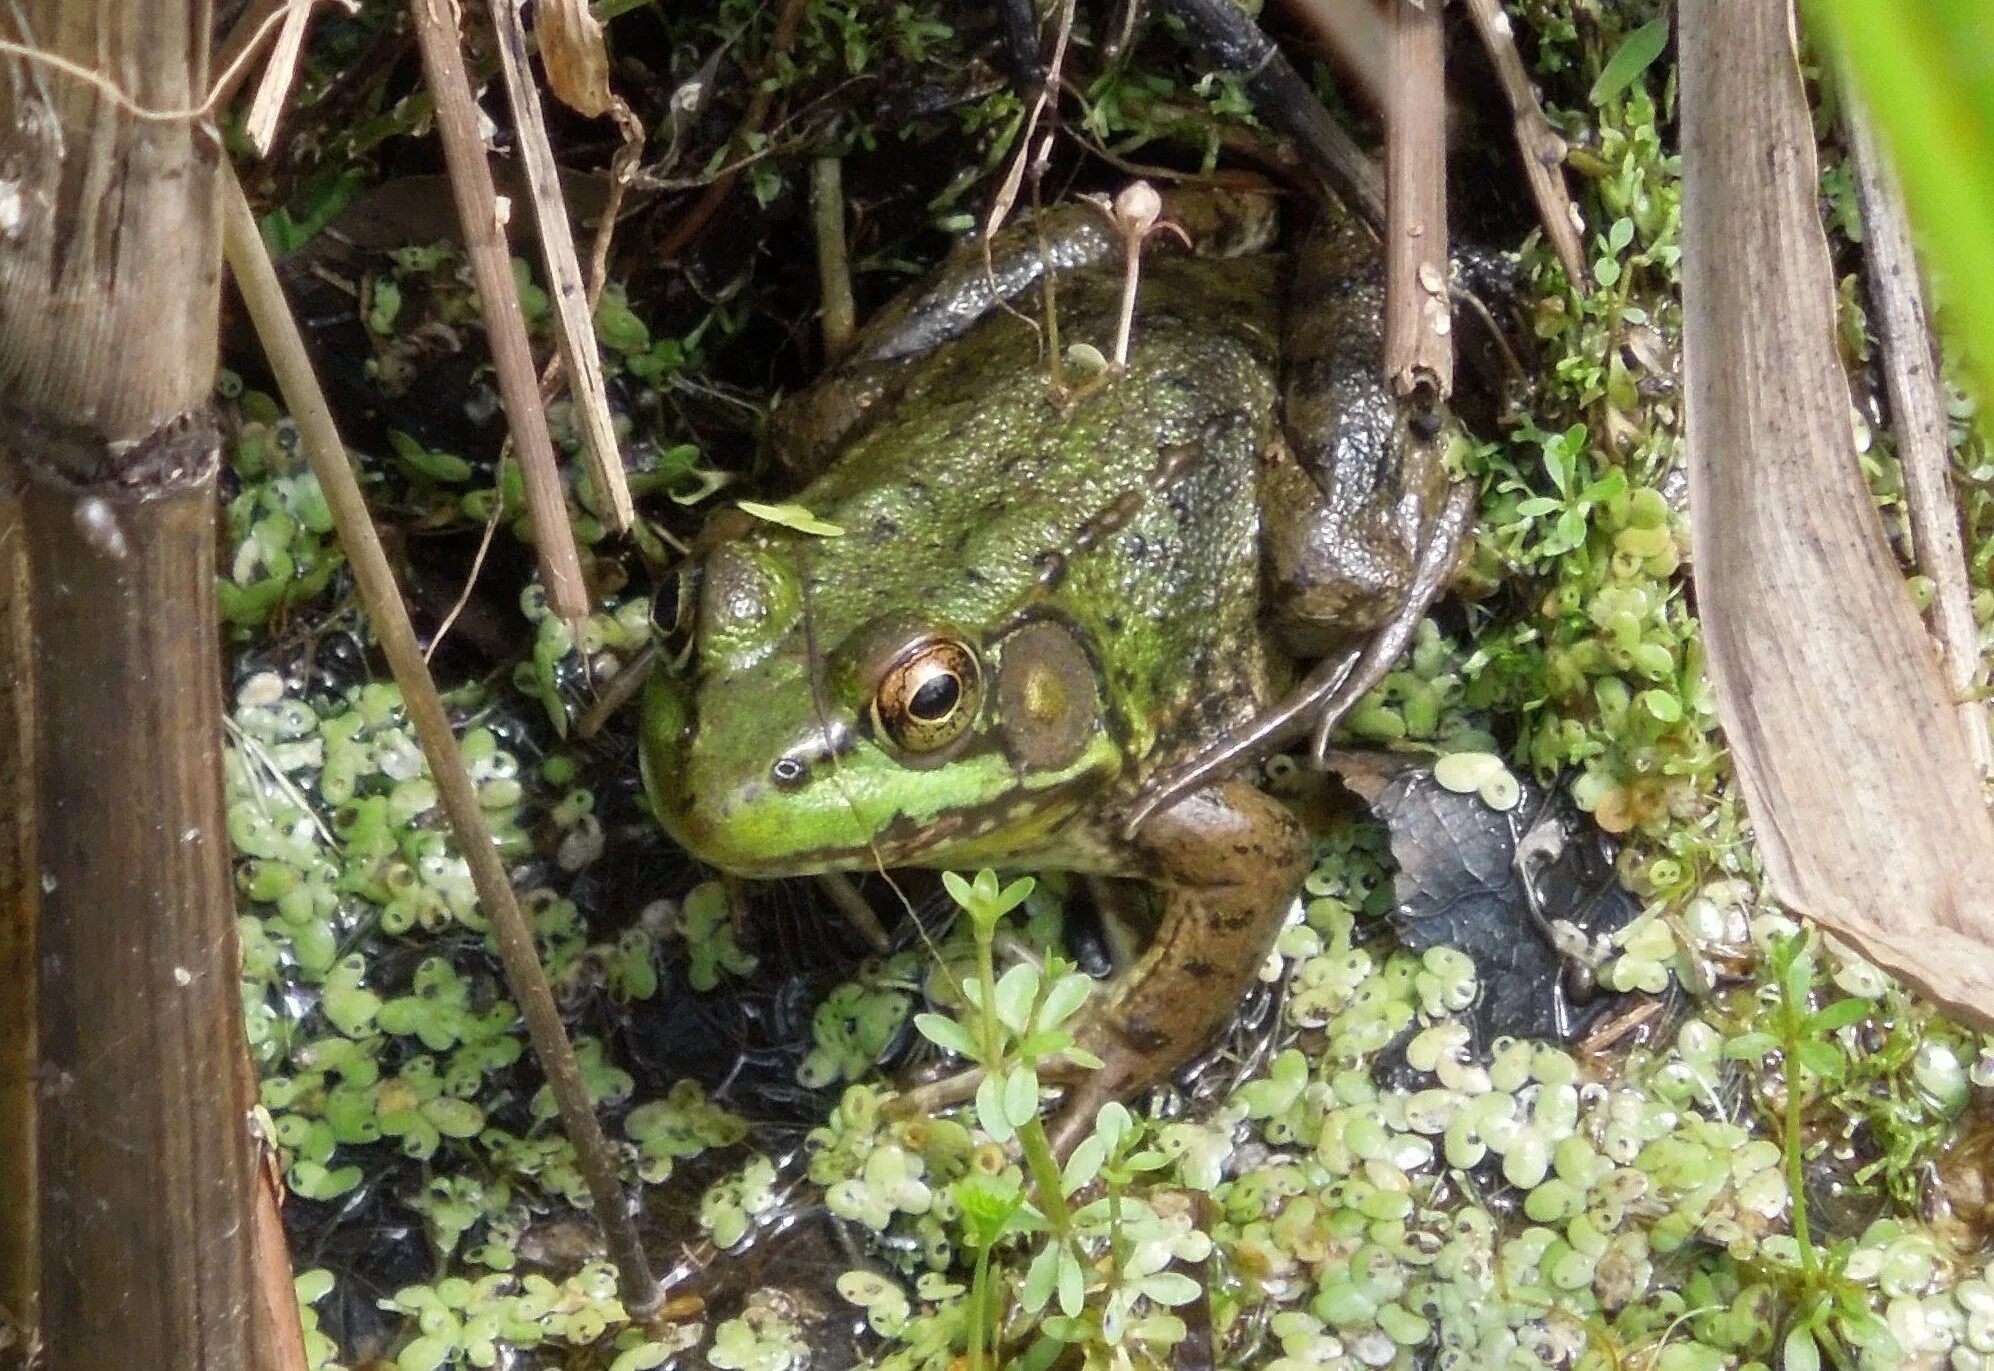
point(1050, 610)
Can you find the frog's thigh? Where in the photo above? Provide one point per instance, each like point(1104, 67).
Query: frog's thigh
point(1227, 860)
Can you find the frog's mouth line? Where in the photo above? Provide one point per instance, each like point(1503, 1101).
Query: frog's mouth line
point(1022, 821)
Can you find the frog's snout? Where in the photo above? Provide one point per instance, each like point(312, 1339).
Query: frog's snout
point(740, 816)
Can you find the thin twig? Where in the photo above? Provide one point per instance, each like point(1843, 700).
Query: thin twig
point(1419, 342)
point(617, 691)
point(1542, 146)
point(1918, 415)
point(622, 166)
point(498, 301)
point(285, 348)
point(574, 328)
point(470, 580)
point(845, 898)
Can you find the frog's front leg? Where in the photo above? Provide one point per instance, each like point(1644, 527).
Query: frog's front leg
point(1361, 526)
point(1351, 501)
point(1227, 861)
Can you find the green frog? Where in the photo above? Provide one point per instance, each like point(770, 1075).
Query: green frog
point(1054, 622)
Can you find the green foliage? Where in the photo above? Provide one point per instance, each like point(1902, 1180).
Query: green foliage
point(1918, 65)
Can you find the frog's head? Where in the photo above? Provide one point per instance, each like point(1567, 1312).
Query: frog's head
point(798, 732)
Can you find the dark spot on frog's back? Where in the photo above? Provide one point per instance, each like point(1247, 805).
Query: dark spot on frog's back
point(1143, 1036)
point(884, 530)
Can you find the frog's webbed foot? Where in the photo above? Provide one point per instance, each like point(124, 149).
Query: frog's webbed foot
point(1329, 692)
point(1226, 862)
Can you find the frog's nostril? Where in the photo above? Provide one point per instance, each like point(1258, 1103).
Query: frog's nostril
point(789, 773)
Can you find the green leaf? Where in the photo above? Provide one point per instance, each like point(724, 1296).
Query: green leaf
point(1747, 1046)
point(1034, 1046)
point(454, 1118)
point(642, 1357)
point(447, 467)
point(1824, 1059)
point(989, 1203)
point(1171, 1287)
point(315, 1182)
point(1084, 1164)
point(425, 1354)
point(1840, 1014)
point(792, 516)
point(1636, 53)
point(959, 890)
point(945, 1033)
point(1040, 1278)
point(1067, 994)
point(1021, 1096)
point(1799, 1352)
point(1072, 1283)
point(1017, 988)
point(1796, 978)
point(991, 1113)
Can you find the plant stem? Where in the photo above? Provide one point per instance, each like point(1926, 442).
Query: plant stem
point(1045, 1175)
point(979, 1307)
point(1795, 1168)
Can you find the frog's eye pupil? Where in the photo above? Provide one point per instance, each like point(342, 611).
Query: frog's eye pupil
point(927, 700)
point(934, 699)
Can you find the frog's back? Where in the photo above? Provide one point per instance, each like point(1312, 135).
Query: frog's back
point(1129, 507)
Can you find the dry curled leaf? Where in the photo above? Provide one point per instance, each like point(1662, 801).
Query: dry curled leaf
point(576, 58)
point(1867, 808)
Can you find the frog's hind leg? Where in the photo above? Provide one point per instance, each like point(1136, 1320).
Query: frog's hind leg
point(1227, 861)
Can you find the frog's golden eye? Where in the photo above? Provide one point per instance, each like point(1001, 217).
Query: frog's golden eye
point(929, 697)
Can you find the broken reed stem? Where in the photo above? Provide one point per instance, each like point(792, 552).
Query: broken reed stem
point(834, 268)
point(498, 302)
point(1918, 417)
point(285, 348)
point(1419, 343)
point(574, 325)
point(20, 908)
point(1542, 146)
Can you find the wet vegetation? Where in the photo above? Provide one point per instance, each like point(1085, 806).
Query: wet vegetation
point(1765, 1153)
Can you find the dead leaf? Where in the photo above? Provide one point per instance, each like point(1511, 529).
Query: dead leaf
point(1867, 810)
point(576, 58)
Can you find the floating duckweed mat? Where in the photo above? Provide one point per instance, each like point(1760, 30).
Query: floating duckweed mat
point(1521, 1205)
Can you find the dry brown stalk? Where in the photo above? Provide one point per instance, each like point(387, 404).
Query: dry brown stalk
point(574, 325)
point(1867, 810)
point(1419, 328)
point(498, 302)
point(278, 332)
point(1918, 417)
point(1542, 146)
